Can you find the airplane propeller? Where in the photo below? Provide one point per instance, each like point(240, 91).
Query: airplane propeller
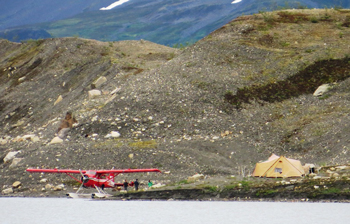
point(84, 178)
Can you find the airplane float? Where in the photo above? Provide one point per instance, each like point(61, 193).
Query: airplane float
point(98, 179)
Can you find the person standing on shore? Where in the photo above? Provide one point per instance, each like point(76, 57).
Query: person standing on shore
point(125, 184)
point(136, 183)
point(150, 184)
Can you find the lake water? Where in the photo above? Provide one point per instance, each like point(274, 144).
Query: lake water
point(66, 211)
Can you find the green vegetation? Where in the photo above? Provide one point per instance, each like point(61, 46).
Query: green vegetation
point(210, 188)
point(245, 184)
point(72, 183)
point(265, 192)
point(304, 82)
point(183, 182)
point(117, 143)
point(143, 144)
point(332, 190)
point(158, 164)
point(36, 42)
point(182, 46)
point(313, 19)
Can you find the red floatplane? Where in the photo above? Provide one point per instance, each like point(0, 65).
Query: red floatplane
point(98, 179)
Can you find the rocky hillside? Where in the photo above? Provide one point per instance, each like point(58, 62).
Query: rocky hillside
point(216, 108)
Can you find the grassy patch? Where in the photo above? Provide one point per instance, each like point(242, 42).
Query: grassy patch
point(143, 144)
point(304, 82)
point(290, 17)
point(113, 143)
point(71, 183)
point(210, 188)
point(265, 192)
point(331, 190)
point(182, 182)
point(231, 187)
point(246, 185)
point(201, 84)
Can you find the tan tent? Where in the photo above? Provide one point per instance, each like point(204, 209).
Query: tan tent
point(279, 166)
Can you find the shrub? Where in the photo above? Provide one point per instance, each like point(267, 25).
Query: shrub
point(211, 188)
point(314, 20)
point(288, 17)
point(304, 82)
point(183, 182)
point(265, 192)
point(245, 184)
point(331, 190)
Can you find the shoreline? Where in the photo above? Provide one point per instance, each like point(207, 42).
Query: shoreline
point(307, 189)
point(193, 200)
point(200, 194)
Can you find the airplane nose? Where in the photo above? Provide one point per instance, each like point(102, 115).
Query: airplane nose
point(84, 179)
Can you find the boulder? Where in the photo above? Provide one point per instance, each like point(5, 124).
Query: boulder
point(3, 141)
point(195, 177)
point(16, 184)
point(35, 139)
point(22, 79)
point(15, 162)
point(290, 187)
point(329, 171)
point(63, 133)
point(48, 187)
point(335, 175)
point(98, 82)
point(28, 137)
point(7, 191)
point(158, 185)
point(59, 187)
point(56, 140)
point(338, 168)
point(10, 156)
point(59, 99)
point(94, 93)
point(115, 90)
point(110, 99)
point(322, 89)
point(113, 134)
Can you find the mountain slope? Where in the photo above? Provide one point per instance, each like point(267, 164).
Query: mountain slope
point(216, 107)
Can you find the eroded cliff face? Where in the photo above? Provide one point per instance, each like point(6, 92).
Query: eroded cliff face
point(217, 107)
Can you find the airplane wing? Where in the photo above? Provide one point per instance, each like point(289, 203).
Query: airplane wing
point(54, 171)
point(97, 171)
point(128, 171)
